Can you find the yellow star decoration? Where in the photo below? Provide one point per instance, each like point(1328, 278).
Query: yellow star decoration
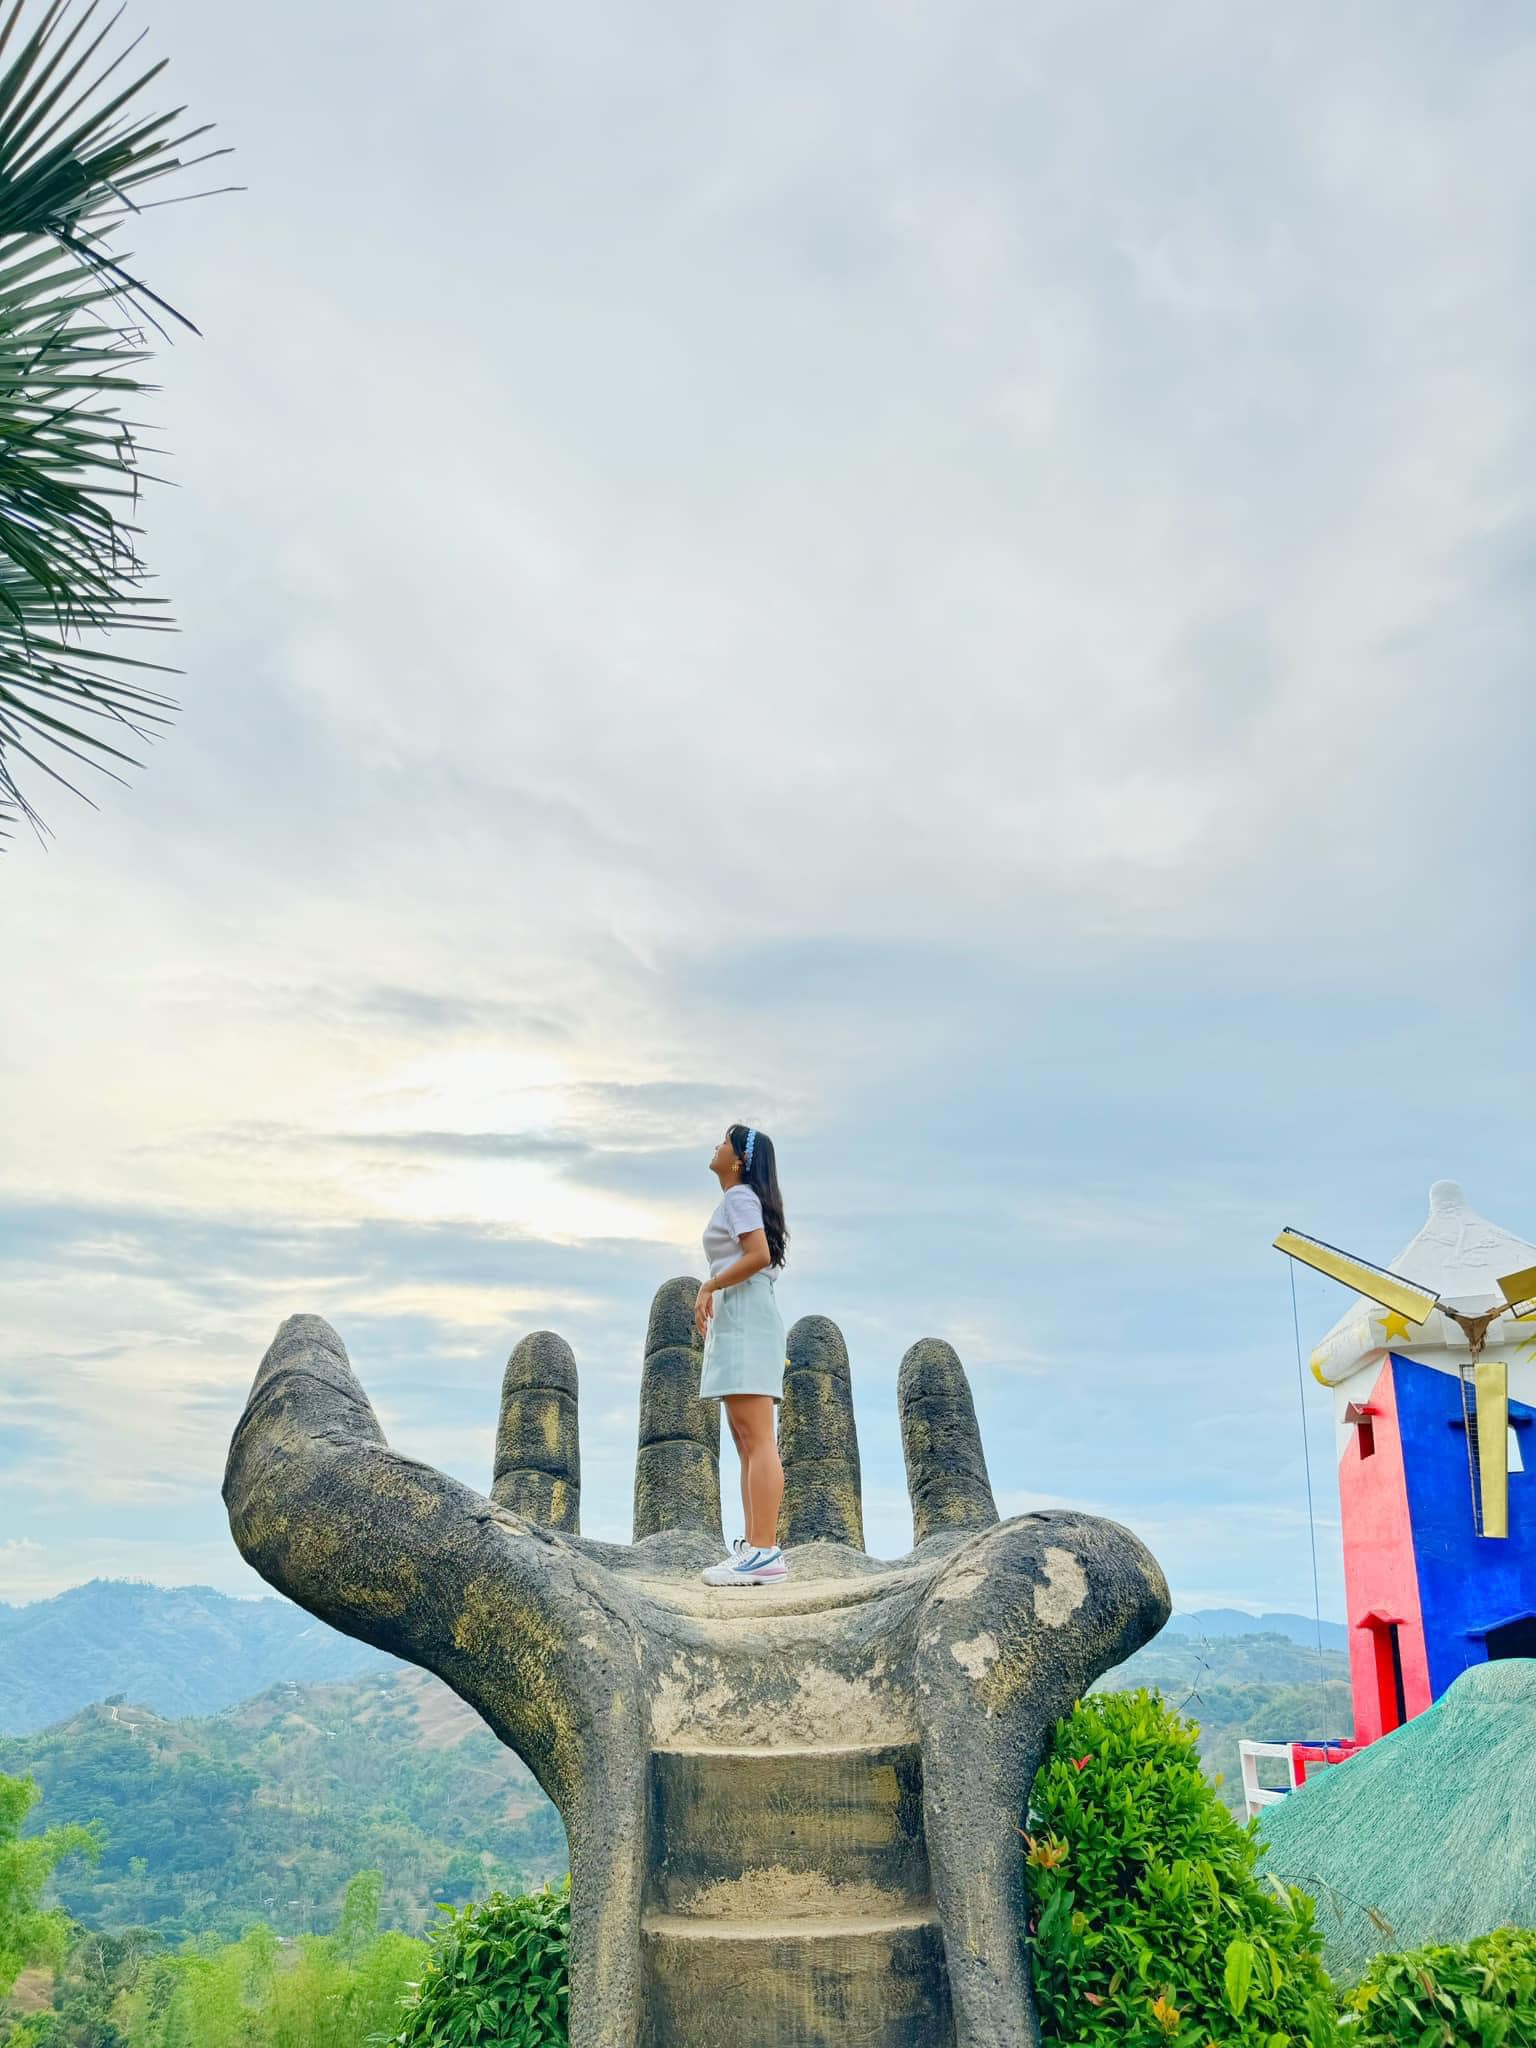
point(1394, 1325)
point(1527, 1343)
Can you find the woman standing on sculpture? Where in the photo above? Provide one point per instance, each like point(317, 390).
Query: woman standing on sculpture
point(738, 1317)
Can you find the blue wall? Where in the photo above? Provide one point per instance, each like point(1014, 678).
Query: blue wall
point(1466, 1581)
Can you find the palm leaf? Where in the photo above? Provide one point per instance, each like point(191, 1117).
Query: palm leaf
point(73, 149)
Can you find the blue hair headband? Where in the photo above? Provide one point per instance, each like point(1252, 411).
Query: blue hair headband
point(751, 1140)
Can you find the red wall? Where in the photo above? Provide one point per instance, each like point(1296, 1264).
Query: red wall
point(1380, 1577)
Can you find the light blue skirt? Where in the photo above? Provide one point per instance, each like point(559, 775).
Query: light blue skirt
point(744, 1342)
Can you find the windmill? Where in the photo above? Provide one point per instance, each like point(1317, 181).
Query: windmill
point(1484, 1382)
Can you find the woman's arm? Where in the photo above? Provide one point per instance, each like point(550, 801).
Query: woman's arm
point(754, 1256)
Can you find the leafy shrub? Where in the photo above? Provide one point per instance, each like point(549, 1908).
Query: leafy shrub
point(1151, 1926)
point(497, 1976)
point(1478, 1994)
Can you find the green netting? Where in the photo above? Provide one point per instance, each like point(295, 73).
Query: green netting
point(1431, 1830)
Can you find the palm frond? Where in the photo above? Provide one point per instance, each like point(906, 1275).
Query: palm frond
point(74, 149)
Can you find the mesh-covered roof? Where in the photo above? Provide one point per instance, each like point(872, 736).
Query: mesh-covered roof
point(1433, 1828)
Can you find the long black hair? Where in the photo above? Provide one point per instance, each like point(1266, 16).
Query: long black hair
point(762, 1176)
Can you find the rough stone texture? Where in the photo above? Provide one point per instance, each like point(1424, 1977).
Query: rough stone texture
point(817, 1440)
point(791, 1809)
point(677, 1467)
point(753, 1834)
point(538, 1448)
point(865, 1983)
point(946, 1467)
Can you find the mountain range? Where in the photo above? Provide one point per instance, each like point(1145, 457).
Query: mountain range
point(264, 1811)
point(178, 1650)
point(244, 1760)
point(188, 1650)
point(1232, 1621)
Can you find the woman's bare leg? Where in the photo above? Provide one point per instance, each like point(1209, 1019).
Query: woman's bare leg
point(762, 1476)
point(738, 1438)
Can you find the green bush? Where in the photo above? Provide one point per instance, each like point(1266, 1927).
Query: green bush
point(1151, 1927)
point(1478, 1994)
point(497, 1976)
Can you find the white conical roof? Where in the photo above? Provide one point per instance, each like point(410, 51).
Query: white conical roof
point(1459, 1254)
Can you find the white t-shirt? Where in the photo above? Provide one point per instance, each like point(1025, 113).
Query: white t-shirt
point(739, 1211)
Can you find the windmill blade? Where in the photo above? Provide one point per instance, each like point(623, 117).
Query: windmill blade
point(1491, 1380)
point(1519, 1290)
point(1390, 1289)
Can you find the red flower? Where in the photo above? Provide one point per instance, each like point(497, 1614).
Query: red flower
point(1079, 1761)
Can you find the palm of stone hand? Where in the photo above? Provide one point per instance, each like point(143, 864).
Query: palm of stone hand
point(807, 1793)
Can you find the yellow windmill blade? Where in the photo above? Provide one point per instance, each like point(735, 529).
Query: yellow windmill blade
point(1390, 1289)
point(1519, 1290)
point(1491, 1382)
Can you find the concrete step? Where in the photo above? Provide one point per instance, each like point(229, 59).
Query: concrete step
point(787, 1834)
point(856, 1983)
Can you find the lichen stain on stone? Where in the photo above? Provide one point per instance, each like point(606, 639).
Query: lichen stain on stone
point(697, 1702)
point(885, 1785)
point(773, 1892)
point(1014, 1677)
point(960, 1585)
point(310, 1551)
point(977, 1656)
point(559, 1496)
point(496, 1622)
point(519, 1650)
point(549, 1424)
point(684, 1698)
point(261, 1532)
point(384, 1603)
point(389, 1483)
point(835, 1709)
point(1065, 1588)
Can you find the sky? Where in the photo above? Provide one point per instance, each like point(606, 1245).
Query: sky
point(952, 583)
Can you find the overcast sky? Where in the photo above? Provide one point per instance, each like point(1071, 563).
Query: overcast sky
point(951, 581)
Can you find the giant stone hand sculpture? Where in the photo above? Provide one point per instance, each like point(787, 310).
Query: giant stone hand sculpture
point(792, 1810)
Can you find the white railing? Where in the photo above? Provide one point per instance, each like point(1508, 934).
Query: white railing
point(1255, 1795)
point(1301, 1759)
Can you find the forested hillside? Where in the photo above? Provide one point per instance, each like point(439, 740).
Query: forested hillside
point(177, 1649)
point(183, 1650)
point(1262, 1686)
point(266, 1810)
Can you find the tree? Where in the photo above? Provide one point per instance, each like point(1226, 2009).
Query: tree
point(28, 1935)
point(73, 162)
point(92, 1981)
point(335, 1990)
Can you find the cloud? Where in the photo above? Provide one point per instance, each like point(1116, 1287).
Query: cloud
point(955, 588)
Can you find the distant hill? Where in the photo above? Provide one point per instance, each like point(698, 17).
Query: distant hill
point(264, 1808)
point(177, 1649)
point(264, 1811)
point(188, 1650)
point(1232, 1621)
point(1266, 1687)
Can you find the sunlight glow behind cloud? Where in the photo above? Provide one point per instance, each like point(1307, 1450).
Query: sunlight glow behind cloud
point(956, 585)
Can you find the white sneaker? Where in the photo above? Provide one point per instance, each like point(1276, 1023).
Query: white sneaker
point(747, 1566)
